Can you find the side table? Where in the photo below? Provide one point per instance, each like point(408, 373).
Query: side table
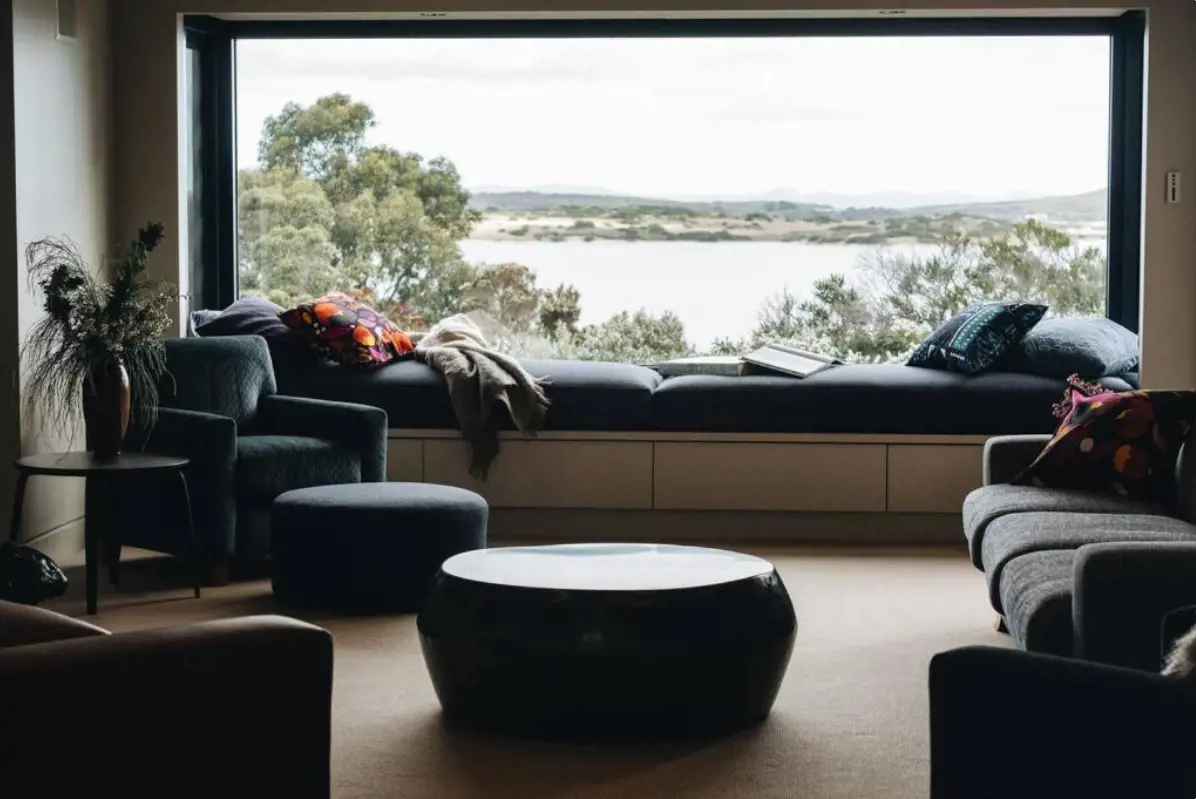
point(83, 464)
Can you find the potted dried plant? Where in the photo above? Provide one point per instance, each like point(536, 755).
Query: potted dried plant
point(98, 351)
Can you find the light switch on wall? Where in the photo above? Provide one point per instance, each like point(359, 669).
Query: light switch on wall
point(1174, 187)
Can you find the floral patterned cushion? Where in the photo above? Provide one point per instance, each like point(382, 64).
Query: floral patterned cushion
point(1123, 443)
point(348, 331)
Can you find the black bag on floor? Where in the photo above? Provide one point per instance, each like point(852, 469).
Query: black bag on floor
point(28, 576)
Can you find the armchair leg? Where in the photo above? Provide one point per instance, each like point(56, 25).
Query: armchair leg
point(218, 574)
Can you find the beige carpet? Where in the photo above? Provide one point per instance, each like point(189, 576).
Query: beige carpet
point(850, 720)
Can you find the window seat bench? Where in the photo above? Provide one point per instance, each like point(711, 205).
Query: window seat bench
point(879, 453)
point(592, 396)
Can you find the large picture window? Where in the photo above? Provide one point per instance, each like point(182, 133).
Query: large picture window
point(636, 198)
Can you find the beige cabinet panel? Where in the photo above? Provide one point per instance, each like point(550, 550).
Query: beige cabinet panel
point(770, 477)
point(932, 478)
point(551, 474)
point(405, 460)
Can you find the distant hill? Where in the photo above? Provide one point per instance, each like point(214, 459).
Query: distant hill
point(901, 200)
point(515, 201)
point(1092, 206)
point(1089, 207)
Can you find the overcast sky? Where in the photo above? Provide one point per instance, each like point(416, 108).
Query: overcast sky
point(985, 117)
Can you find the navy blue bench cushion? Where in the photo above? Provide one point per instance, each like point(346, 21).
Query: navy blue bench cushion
point(585, 395)
point(862, 398)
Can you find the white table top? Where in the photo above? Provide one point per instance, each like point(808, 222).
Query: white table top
point(606, 567)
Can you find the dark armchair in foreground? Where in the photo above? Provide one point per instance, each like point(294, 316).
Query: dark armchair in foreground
point(1015, 724)
point(240, 707)
point(247, 445)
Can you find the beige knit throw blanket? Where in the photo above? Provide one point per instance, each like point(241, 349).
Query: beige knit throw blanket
point(479, 379)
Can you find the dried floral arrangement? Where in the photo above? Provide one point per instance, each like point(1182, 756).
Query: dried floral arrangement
point(89, 324)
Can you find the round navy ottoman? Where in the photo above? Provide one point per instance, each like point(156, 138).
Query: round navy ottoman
point(369, 546)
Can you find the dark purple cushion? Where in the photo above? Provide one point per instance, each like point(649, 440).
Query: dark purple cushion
point(257, 316)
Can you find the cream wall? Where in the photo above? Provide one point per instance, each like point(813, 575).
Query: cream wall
point(61, 146)
point(147, 37)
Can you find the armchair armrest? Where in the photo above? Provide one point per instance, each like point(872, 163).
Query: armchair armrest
point(1064, 727)
point(1006, 456)
point(193, 434)
point(210, 442)
point(1122, 592)
point(238, 707)
point(360, 427)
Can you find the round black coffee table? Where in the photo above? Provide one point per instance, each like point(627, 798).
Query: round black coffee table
point(607, 641)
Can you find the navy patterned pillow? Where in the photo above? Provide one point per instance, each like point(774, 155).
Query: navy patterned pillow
point(978, 338)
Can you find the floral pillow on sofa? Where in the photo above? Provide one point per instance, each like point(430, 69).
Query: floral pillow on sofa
point(348, 332)
point(1125, 443)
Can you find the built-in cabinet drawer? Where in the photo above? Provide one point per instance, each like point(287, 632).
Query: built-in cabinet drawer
point(550, 474)
point(405, 460)
point(703, 475)
point(770, 477)
point(932, 478)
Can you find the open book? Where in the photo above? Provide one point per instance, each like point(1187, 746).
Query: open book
point(784, 359)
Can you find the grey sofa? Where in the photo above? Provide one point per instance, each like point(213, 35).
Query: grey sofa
point(1081, 574)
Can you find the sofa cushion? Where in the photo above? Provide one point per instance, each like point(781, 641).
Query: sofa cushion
point(1088, 346)
point(257, 316)
point(1017, 534)
point(199, 318)
point(271, 465)
point(348, 332)
point(1122, 444)
point(585, 395)
point(862, 398)
point(977, 338)
point(1036, 593)
point(984, 505)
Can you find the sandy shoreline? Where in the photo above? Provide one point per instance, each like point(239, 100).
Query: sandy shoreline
point(549, 227)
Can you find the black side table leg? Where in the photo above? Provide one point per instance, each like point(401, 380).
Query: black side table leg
point(91, 545)
point(113, 531)
point(196, 566)
point(18, 506)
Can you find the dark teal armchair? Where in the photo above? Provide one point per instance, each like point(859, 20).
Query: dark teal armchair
point(247, 445)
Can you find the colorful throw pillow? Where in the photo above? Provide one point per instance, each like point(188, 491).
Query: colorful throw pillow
point(348, 332)
point(1123, 443)
point(978, 338)
point(1075, 397)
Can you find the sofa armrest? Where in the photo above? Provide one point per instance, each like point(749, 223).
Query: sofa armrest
point(1063, 727)
point(360, 427)
point(239, 707)
point(1006, 456)
point(21, 625)
point(1122, 592)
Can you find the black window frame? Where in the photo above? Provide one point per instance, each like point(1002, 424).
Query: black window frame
point(216, 40)
point(214, 278)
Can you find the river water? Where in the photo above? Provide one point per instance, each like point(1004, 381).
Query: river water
point(716, 288)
